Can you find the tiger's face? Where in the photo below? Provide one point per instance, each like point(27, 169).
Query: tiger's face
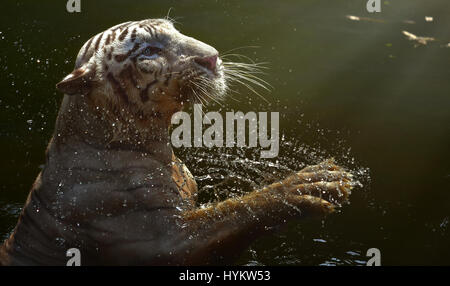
point(146, 68)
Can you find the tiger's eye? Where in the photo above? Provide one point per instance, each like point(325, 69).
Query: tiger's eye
point(149, 51)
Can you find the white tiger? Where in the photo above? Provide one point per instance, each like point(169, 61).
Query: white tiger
point(111, 185)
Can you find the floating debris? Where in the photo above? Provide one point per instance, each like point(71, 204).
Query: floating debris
point(353, 18)
point(419, 40)
point(428, 19)
point(373, 20)
point(367, 19)
point(411, 22)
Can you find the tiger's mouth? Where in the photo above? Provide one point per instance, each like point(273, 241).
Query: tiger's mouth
point(210, 78)
point(205, 82)
point(211, 64)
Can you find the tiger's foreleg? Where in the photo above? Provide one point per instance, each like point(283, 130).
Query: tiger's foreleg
point(219, 232)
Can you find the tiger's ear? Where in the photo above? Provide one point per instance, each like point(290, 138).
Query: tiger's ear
point(79, 81)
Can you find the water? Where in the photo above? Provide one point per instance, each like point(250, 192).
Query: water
point(359, 91)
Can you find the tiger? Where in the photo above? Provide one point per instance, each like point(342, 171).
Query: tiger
point(112, 186)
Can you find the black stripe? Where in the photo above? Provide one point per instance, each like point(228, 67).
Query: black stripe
point(118, 88)
point(144, 93)
point(108, 39)
point(133, 35)
point(149, 30)
point(123, 34)
point(121, 57)
point(97, 43)
point(88, 45)
point(127, 73)
point(166, 82)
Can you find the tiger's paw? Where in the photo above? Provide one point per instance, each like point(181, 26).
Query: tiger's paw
point(323, 186)
point(325, 180)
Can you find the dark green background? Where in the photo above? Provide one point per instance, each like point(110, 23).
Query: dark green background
point(358, 91)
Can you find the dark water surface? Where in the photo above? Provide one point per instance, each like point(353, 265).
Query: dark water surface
point(359, 91)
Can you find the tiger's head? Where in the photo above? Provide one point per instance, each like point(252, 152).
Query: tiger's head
point(145, 69)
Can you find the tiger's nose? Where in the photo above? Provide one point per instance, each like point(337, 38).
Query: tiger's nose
point(208, 62)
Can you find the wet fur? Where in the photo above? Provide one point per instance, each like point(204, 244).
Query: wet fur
point(112, 186)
